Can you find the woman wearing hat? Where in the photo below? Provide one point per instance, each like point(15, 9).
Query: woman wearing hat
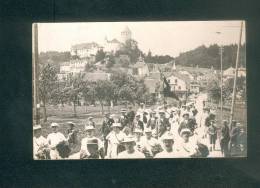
point(168, 149)
point(130, 151)
point(115, 138)
point(186, 147)
point(90, 136)
point(54, 139)
point(150, 146)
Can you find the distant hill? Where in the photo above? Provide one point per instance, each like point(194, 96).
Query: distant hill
point(206, 57)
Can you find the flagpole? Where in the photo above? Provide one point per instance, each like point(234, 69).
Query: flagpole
point(235, 79)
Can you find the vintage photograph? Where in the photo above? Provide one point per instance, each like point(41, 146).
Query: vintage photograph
point(139, 90)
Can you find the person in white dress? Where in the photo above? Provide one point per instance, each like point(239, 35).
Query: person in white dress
point(40, 144)
point(84, 153)
point(138, 133)
point(130, 151)
point(168, 150)
point(54, 139)
point(115, 138)
point(186, 148)
point(149, 144)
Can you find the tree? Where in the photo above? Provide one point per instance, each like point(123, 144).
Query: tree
point(214, 91)
point(47, 85)
point(104, 91)
point(73, 90)
point(100, 55)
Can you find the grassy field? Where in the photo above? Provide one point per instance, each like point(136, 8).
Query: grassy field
point(65, 114)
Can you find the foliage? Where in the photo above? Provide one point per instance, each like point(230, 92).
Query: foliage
point(206, 57)
point(47, 85)
point(214, 91)
point(100, 55)
point(161, 59)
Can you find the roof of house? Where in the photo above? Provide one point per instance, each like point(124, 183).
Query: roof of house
point(84, 46)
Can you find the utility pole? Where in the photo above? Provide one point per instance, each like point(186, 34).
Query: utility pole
point(35, 65)
point(221, 83)
point(235, 79)
point(221, 79)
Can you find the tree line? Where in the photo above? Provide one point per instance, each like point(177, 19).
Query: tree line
point(121, 87)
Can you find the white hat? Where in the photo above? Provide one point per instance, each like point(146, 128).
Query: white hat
point(89, 127)
point(148, 130)
point(90, 118)
point(36, 127)
point(116, 125)
point(128, 139)
point(136, 130)
point(54, 124)
point(185, 130)
point(168, 136)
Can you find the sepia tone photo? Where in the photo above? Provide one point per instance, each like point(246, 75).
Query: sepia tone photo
point(139, 90)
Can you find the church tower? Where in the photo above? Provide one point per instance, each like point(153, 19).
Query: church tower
point(126, 34)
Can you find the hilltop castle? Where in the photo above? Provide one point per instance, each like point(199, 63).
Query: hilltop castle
point(85, 50)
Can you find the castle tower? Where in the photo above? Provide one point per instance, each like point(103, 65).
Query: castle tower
point(126, 34)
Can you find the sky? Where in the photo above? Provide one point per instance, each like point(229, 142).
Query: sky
point(161, 38)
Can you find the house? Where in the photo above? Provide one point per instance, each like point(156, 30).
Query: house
point(112, 46)
point(230, 72)
point(140, 69)
point(85, 49)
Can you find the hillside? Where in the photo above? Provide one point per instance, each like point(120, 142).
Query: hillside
point(206, 57)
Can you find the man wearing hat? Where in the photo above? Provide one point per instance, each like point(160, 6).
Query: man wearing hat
point(224, 138)
point(186, 147)
point(162, 124)
point(138, 123)
point(152, 120)
point(54, 139)
point(130, 114)
point(123, 118)
point(106, 128)
point(40, 144)
point(150, 146)
point(185, 122)
point(212, 132)
point(72, 134)
point(115, 138)
point(168, 150)
point(89, 129)
point(91, 121)
point(92, 149)
point(233, 135)
point(130, 151)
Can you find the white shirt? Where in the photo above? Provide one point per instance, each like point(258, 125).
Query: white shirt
point(187, 149)
point(55, 138)
point(134, 155)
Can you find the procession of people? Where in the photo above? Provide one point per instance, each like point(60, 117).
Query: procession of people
point(167, 131)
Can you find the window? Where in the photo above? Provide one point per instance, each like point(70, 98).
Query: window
point(179, 87)
point(176, 81)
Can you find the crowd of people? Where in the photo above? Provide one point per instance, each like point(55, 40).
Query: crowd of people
point(164, 132)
